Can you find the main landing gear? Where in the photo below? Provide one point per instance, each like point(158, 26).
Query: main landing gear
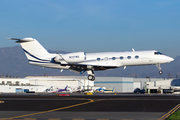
point(160, 71)
point(90, 75)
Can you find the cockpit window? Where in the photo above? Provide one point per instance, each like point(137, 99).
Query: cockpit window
point(157, 53)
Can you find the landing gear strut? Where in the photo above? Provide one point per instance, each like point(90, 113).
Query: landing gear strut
point(158, 66)
point(90, 75)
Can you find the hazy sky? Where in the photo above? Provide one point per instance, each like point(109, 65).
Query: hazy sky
point(93, 25)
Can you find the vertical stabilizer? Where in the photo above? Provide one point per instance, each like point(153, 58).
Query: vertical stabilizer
point(34, 51)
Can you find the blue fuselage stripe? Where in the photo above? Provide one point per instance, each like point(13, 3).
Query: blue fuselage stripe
point(112, 82)
point(33, 55)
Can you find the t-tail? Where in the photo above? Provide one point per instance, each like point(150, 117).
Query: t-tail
point(113, 89)
point(66, 88)
point(34, 51)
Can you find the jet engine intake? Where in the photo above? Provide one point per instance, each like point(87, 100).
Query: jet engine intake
point(76, 57)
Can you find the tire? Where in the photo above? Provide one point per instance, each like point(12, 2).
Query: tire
point(160, 72)
point(91, 77)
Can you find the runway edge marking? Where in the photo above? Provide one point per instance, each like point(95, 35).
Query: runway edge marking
point(170, 112)
point(91, 101)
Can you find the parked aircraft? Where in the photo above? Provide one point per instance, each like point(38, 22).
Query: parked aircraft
point(81, 62)
point(102, 90)
point(62, 90)
point(51, 90)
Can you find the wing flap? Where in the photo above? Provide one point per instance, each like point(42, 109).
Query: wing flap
point(78, 68)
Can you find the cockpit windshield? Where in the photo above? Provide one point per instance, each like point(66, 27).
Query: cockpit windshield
point(157, 53)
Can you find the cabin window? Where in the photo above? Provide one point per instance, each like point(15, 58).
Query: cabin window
point(98, 59)
point(113, 58)
point(106, 58)
point(121, 57)
point(129, 57)
point(136, 56)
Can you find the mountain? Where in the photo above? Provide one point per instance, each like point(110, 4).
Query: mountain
point(13, 62)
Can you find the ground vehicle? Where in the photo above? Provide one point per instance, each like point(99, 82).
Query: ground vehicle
point(139, 91)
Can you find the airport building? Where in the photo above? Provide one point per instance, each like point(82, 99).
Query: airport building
point(11, 85)
point(60, 82)
point(164, 86)
point(125, 84)
point(80, 83)
point(44, 84)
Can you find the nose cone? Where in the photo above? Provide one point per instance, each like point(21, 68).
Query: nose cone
point(169, 59)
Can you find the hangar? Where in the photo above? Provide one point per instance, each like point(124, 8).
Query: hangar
point(164, 86)
point(52, 83)
point(125, 84)
point(43, 83)
point(121, 84)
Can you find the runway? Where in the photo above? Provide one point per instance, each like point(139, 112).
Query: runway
point(77, 106)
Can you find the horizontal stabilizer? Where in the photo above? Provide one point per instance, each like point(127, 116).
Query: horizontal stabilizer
point(29, 39)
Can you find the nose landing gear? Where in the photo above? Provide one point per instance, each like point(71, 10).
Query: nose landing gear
point(160, 71)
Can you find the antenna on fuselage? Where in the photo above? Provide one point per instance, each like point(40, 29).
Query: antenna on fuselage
point(133, 49)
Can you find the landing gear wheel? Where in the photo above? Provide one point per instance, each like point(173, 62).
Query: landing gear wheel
point(160, 72)
point(158, 66)
point(91, 77)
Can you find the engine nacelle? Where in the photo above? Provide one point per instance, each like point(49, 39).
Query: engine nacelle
point(74, 57)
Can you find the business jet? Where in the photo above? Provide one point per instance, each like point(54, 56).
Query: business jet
point(102, 90)
point(62, 90)
point(81, 62)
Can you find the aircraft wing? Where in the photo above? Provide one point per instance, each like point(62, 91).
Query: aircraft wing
point(78, 68)
point(83, 68)
point(102, 64)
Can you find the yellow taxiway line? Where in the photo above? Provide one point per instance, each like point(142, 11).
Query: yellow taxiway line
point(170, 112)
point(91, 101)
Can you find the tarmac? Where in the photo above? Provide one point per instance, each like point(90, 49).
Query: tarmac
point(40, 106)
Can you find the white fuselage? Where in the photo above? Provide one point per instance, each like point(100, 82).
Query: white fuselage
point(81, 61)
point(119, 59)
point(112, 59)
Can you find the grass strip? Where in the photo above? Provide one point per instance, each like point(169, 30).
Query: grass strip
point(174, 116)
